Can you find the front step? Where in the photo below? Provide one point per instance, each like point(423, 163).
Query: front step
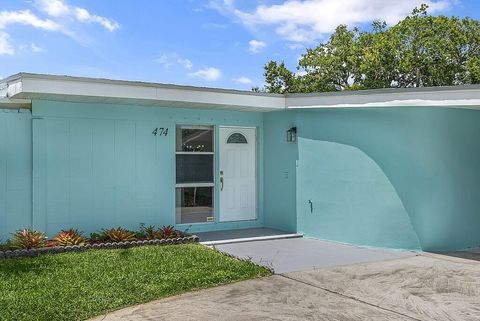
point(253, 239)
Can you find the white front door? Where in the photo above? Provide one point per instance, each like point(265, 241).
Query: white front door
point(237, 174)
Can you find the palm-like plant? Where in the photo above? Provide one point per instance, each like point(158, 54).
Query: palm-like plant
point(167, 232)
point(119, 235)
point(28, 239)
point(69, 237)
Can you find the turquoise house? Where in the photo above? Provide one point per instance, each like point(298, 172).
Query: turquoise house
point(397, 168)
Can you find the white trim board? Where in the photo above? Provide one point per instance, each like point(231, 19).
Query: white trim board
point(24, 87)
point(76, 89)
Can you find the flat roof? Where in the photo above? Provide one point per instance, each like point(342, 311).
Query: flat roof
point(97, 90)
point(19, 89)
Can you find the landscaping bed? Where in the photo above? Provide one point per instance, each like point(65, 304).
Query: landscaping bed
point(76, 286)
point(28, 242)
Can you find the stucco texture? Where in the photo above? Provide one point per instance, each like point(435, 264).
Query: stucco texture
point(15, 171)
point(402, 175)
point(99, 165)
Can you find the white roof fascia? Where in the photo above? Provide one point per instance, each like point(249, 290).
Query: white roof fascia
point(6, 90)
point(34, 86)
point(81, 89)
point(459, 97)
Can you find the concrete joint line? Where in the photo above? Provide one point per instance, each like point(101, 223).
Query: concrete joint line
point(349, 297)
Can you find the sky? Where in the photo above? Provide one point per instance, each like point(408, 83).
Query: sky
point(209, 43)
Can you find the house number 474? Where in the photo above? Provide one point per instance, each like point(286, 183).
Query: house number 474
point(159, 131)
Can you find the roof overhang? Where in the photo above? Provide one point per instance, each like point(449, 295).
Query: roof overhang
point(454, 97)
point(18, 90)
point(15, 103)
point(94, 90)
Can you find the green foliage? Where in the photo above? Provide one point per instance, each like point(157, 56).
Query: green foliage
point(97, 237)
point(332, 65)
point(28, 239)
point(473, 66)
point(421, 50)
point(78, 286)
point(69, 237)
point(118, 235)
point(278, 78)
point(148, 232)
point(168, 232)
point(152, 233)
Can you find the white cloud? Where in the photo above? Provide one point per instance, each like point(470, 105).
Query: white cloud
point(296, 46)
point(255, 46)
point(32, 47)
point(84, 16)
point(62, 16)
point(55, 8)
point(169, 59)
point(309, 20)
point(217, 26)
point(36, 48)
point(6, 47)
point(209, 74)
point(243, 80)
point(222, 6)
point(23, 17)
point(26, 17)
point(60, 8)
point(164, 60)
point(186, 63)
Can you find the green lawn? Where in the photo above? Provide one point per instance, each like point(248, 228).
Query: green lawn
point(76, 286)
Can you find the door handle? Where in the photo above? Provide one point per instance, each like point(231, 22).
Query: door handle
point(221, 181)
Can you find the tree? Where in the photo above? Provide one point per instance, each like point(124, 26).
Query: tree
point(421, 50)
point(278, 78)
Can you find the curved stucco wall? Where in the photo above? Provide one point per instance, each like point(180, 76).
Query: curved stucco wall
point(430, 156)
point(343, 195)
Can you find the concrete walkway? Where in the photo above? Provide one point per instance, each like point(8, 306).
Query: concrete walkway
point(238, 234)
point(215, 238)
point(301, 254)
point(423, 287)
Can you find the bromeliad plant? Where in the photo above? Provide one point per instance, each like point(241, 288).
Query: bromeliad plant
point(31, 239)
point(118, 235)
point(28, 239)
point(152, 233)
point(147, 232)
point(70, 237)
point(168, 232)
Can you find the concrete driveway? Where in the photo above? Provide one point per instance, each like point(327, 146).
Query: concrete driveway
point(301, 254)
point(328, 281)
point(423, 287)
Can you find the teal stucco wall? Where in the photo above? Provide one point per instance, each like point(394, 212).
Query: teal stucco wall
point(99, 166)
point(15, 171)
point(385, 177)
point(422, 159)
point(342, 194)
point(280, 173)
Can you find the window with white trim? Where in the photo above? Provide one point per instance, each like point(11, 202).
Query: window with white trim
point(195, 161)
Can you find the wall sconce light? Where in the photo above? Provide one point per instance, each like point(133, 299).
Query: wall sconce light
point(292, 135)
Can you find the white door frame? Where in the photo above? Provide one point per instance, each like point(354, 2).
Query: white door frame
point(255, 171)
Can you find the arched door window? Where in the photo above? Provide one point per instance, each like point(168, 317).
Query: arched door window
point(236, 138)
